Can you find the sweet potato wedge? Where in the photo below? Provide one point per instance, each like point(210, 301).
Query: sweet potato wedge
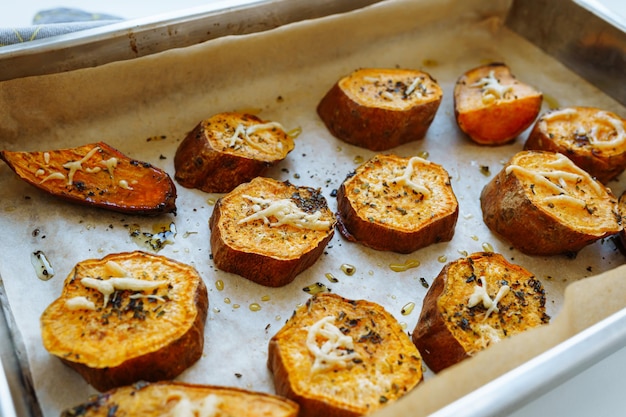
point(340, 357)
point(543, 204)
point(270, 231)
point(97, 175)
point(380, 109)
point(127, 317)
point(397, 204)
point(474, 302)
point(594, 139)
point(492, 106)
point(169, 398)
point(229, 149)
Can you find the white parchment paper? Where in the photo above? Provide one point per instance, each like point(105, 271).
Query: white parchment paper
point(144, 107)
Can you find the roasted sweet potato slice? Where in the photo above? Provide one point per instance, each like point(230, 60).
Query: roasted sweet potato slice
point(270, 231)
point(170, 398)
point(492, 106)
point(543, 204)
point(594, 139)
point(397, 204)
point(379, 109)
point(340, 357)
point(97, 175)
point(474, 302)
point(229, 149)
point(127, 317)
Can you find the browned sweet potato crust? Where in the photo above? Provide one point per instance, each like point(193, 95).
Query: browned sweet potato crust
point(492, 107)
point(383, 367)
point(375, 209)
point(449, 330)
point(594, 139)
point(267, 251)
point(154, 336)
point(217, 155)
point(101, 176)
point(161, 399)
point(543, 204)
point(380, 109)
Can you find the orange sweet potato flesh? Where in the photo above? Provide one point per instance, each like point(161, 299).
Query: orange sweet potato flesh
point(379, 109)
point(487, 118)
point(161, 399)
point(137, 335)
point(387, 365)
point(449, 331)
point(103, 177)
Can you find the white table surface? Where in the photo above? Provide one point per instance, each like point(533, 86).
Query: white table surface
point(597, 391)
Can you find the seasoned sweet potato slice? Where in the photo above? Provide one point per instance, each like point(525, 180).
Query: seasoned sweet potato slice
point(492, 106)
point(543, 204)
point(270, 231)
point(170, 398)
point(594, 139)
point(127, 317)
point(97, 175)
point(229, 149)
point(379, 109)
point(340, 357)
point(397, 204)
point(474, 302)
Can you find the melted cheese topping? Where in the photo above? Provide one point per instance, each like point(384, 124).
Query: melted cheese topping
point(491, 88)
point(615, 137)
point(80, 303)
point(242, 135)
point(53, 176)
point(205, 407)
point(285, 211)
point(74, 166)
point(330, 348)
point(109, 286)
point(480, 295)
point(406, 177)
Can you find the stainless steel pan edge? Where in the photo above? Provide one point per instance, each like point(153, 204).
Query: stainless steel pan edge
point(141, 37)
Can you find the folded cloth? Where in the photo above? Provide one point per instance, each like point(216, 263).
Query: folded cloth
point(54, 22)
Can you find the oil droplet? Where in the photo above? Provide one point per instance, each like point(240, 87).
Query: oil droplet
point(487, 247)
point(339, 149)
point(410, 263)
point(474, 237)
point(348, 269)
point(42, 266)
point(295, 132)
point(255, 307)
point(265, 298)
point(278, 318)
point(442, 259)
point(423, 154)
point(403, 325)
point(236, 306)
point(463, 252)
point(316, 288)
point(408, 308)
point(358, 159)
point(227, 300)
point(428, 62)
point(552, 102)
point(211, 201)
point(219, 284)
point(331, 277)
point(216, 310)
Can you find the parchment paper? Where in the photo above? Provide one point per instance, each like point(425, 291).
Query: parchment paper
point(144, 107)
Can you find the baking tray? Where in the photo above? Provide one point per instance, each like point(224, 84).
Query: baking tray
point(572, 47)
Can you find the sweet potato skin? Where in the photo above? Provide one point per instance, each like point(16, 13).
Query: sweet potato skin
point(149, 190)
point(201, 163)
point(501, 121)
point(509, 212)
point(399, 236)
point(258, 264)
point(372, 126)
point(159, 398)
point(603, 164)
point(378, 338)
point(160, 360)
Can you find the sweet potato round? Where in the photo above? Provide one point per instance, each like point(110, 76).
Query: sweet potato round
point(121, 342)
point(264, 250)
point(593, 138)
point(539, 216)
point(380, 109)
